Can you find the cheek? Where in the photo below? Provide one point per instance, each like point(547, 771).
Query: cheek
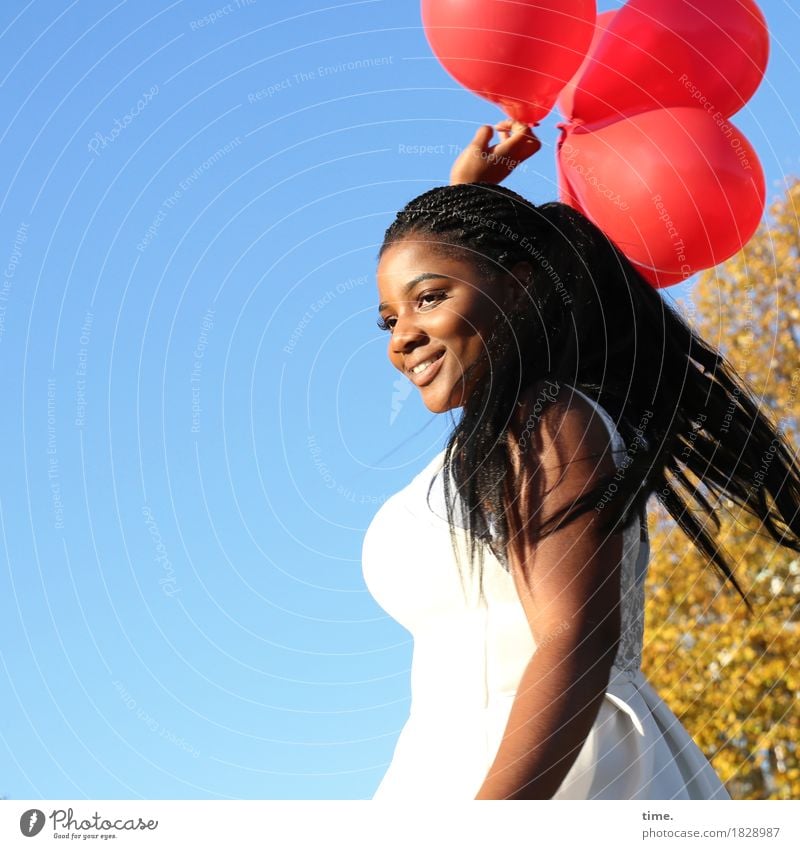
point(466, 333)
point(471, 333)
point(456, 328)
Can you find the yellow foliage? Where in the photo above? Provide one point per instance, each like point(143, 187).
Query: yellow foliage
point(733, 678)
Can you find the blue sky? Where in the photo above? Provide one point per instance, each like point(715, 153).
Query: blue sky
point(199, 419)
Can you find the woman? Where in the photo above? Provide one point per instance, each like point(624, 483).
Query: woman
point(582, 395)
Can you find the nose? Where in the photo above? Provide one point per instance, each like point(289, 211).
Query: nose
point(407, 334)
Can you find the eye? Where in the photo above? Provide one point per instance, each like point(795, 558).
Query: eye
point(429, 298)
point(437, 296)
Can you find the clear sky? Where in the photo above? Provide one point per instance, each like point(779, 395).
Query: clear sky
point(199, 419)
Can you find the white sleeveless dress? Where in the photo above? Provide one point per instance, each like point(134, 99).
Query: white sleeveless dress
point(470, 653)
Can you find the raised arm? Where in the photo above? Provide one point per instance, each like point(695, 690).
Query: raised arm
point(481, 162)
point(569, 586)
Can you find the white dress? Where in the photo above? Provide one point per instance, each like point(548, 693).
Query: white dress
point(470, 653)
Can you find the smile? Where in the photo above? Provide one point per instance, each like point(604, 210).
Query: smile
point(422, 366)
point(424, 373)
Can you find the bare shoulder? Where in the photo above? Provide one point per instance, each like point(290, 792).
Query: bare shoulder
point(563, 449)
point(557, 426)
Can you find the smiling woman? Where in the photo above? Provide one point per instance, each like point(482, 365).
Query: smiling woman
point(526, 675)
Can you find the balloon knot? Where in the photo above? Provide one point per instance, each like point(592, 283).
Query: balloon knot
point(570, 124)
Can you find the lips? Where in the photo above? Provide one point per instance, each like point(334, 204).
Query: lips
point(424, 377)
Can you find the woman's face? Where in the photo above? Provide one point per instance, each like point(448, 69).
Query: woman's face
point(438, 310)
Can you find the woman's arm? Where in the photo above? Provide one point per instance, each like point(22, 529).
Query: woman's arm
point(558, 699)
point(569, 586)
point(481, 163)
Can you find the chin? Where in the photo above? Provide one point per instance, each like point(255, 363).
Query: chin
point(438, 407)
point(437, 404)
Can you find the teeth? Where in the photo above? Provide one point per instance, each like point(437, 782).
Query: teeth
point(423, 366)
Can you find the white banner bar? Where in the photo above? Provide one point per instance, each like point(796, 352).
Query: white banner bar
point(373, 825)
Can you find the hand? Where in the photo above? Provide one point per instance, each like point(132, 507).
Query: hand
point(480, 163)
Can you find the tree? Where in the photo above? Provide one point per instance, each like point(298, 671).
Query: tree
point(733, 679)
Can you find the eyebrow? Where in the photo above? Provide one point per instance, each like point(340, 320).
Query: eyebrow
point(428, 275)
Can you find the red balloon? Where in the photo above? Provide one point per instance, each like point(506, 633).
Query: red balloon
point(677, 190)
point(565, 99)
point(565, 193)
point(518, 54)
point(659, 279)
point(706, 53)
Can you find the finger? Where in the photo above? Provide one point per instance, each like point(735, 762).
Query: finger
point(503, 128)
point(520, 145)
point(482, 137)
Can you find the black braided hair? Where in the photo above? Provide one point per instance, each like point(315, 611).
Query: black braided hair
point(594, 323)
